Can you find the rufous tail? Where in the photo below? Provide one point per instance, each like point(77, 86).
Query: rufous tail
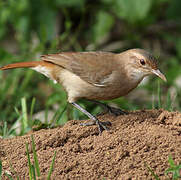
point(23, 65)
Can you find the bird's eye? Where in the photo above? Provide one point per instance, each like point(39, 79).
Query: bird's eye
point(142, 62)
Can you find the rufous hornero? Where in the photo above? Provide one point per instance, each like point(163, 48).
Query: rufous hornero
point(95, 75)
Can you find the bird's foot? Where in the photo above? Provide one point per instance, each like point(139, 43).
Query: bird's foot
point(112, 111)
point(101, 125)
point(115, 111)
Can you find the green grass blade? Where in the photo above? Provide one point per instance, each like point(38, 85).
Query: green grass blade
point(169, 102)
point(5, 129)
point(33, 171)
point(32, 109)
point(9, 176)
point(29, 162)
point(58, 114)
point(152, 172)
point(153, 101)
point(51, 167)
point(17, 111)
point(46, 115)
point(171, 161)
point(174, 169)
point(13, 171)
point(54, 117)
point(35, 157)
point(24, 112)
point(61, 114)
point(26, 80)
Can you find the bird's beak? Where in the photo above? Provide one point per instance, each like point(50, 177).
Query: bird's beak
point(159, 74)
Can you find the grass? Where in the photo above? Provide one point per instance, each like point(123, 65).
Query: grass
point(33, 36)
point(152, 173)
point(159, 102)
point(34, 169)
point(51, 166)
point(25, 121)
point(78, 32)
point(35, 157)
point(174, 170)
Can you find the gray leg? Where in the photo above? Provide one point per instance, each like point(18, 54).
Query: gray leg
point(109, 109)
point(101, 125)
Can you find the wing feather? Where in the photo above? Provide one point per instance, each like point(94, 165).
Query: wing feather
point(93, 67)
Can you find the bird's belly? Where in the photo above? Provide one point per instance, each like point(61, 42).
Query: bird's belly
point(77, 88)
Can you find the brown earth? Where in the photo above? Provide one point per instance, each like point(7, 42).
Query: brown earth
point(147, 136)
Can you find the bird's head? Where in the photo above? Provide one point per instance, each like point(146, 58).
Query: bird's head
point(141, 63)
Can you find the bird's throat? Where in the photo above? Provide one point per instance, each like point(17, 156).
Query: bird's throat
point(136, 75)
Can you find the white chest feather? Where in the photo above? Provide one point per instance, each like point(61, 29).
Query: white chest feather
point(136, 75)
point(45, 71)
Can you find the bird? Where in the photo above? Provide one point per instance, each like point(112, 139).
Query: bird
point(95, 76)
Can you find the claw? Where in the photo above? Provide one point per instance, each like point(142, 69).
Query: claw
point(116, 111)
point(101, 125)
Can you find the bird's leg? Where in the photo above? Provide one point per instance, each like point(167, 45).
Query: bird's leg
point(109, 109)
point(101, 125)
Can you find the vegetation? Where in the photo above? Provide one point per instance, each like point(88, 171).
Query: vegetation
point(34, 169)
point(29, 28)
point(173, 170)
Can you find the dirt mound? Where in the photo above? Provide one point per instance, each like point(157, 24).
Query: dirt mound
point(147, 136)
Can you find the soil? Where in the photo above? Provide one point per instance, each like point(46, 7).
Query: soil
point(135, 141)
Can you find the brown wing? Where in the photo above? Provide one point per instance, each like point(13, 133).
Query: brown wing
point(93, 67)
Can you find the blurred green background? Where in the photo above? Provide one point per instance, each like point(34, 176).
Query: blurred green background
point(29, 28)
